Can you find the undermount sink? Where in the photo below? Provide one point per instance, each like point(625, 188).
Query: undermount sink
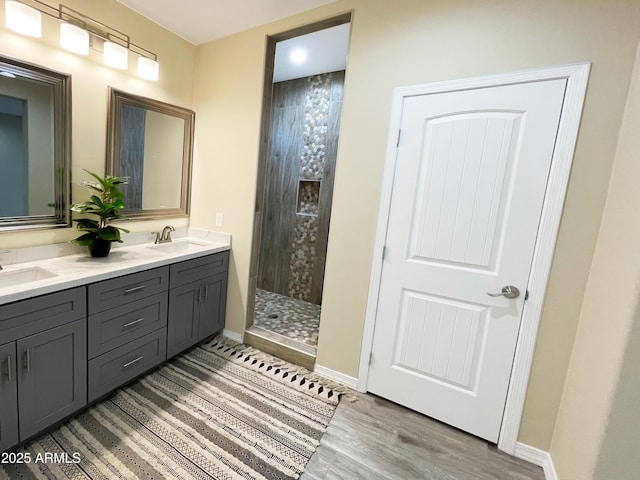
point(177, 246)
point(25, 275)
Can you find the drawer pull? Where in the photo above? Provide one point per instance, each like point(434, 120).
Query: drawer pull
point(9, 378)
point(135, 289)
point(206, 291)
point(134, 322)
point(135, 360)
point(27, 360)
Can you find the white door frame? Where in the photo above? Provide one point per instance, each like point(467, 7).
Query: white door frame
point(576, 76)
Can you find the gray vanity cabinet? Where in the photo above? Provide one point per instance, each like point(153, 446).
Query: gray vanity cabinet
point(197, 300)
point(8, 396)
point(53, 376)
point(62, 350)
point(44, 363)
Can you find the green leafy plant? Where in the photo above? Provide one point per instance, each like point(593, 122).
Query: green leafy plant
point(105, 203)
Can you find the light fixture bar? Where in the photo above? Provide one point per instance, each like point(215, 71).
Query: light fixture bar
point(98, 29)
point(93, 26)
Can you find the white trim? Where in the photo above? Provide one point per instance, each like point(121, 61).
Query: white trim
point(341, 378)
point(576, 76)
point(537, 457)
point(231, 335)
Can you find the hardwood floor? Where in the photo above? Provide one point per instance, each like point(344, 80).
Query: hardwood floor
point(373, 439)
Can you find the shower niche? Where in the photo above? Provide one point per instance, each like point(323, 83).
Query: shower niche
point(308, 197)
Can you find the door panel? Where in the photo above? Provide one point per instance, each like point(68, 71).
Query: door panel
point(463, 177)
point(182, 326)
point(469, 185)
point(53, 376)
point(8, 397)
point(440, 339)
point(211, 311)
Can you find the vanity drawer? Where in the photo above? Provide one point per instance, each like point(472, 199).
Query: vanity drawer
point(120, 325)
point(199, 268)
point(115, 368)
point(28, 317)
point(119, 291)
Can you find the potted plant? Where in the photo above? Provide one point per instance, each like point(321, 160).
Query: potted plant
point(105, 203)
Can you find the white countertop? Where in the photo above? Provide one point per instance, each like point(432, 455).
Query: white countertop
point(72, 270)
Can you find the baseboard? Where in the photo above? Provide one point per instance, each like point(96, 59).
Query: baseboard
point(341, 378)
point(231, 335)
point(537, 457)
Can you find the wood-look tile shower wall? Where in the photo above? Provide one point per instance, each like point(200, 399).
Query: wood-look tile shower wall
point(305, 122)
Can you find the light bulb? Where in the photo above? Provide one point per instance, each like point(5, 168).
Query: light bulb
point(148, 69)
point(22, 18)
point(116, 56)
point(74, 39)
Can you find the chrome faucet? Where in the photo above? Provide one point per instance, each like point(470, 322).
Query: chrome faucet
point(165, 235)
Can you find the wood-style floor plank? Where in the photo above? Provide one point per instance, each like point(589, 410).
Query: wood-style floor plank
point(375, 439)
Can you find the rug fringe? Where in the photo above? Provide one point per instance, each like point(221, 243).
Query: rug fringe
point(310, 382)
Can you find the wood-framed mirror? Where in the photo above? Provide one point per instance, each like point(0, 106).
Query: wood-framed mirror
point(151, 143)
point(35, 146)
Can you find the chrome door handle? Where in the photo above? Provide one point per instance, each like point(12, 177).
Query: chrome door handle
point(508, 292)
point(135, 289)
point(27, 360)
point(9, 378)
point(134, 322)
point(135, 360)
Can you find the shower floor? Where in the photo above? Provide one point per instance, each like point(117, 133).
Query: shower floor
point(295, 319)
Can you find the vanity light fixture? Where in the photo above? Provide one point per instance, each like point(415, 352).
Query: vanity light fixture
point(77, 31)
point(116, 56)
point(74, 39)
point(22, 18)
point(148, 69)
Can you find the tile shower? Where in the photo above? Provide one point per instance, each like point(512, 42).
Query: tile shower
point(305, 121)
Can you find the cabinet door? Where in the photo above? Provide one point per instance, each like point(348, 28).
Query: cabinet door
point(182, 325)
point(52, 376)
point(8, 397)
point(212, 305)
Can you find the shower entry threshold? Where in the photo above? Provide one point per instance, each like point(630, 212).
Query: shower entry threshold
point(281, 346)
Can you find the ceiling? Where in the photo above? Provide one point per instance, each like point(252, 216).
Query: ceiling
point(323, 51)
point(200, 21)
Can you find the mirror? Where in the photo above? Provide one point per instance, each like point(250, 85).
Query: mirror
point(150, 142)
point(35, 146)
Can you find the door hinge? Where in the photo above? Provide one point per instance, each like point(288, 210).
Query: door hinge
point(399, 135)
point(370, 358)
point(526, 294)
point(384, 252)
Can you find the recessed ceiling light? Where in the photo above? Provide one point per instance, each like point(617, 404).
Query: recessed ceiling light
point(7, 74)
point(298, 56)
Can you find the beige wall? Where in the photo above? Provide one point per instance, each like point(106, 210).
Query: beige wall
point(609, 314)
point(90, 79)
point(412, 42)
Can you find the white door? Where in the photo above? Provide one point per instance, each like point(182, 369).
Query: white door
point(469, 184)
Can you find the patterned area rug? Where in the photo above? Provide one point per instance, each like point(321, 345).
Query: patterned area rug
point(221, 411)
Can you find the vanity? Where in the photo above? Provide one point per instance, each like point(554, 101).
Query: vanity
point(88, 326)
point(74, 328)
